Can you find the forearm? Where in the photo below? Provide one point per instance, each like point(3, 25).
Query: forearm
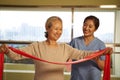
point(100, 64)
point(13, 55)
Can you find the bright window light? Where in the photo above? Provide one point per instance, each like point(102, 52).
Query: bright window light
point(108, 6)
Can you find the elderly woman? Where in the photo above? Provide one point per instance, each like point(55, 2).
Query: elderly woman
point(49, 50)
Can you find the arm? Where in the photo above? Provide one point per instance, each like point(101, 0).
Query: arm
point(100, 63)
point(75, 53)
point(4, 48)
point(28, 49)
point(78, 54)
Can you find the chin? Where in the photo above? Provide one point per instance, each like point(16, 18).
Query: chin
point(56, 39)
point(86, 35)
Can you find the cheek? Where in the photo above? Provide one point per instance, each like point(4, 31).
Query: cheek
point(51, 32)
point(61, 32)
point(93, 30)
point(83, 29)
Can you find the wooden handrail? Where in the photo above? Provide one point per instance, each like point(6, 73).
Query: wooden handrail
point(15, 42)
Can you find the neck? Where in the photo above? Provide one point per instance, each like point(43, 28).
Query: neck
point(88, 39)
point(51, 43)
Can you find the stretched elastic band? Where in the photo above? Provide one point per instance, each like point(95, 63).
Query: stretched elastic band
point(106, 75)
point(98, 53)
point(1, 65)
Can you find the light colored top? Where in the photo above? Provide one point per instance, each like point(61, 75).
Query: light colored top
point(47, 71)
point(86, 70)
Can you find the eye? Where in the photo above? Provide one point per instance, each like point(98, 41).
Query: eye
point(85, 25)
point(90, 26)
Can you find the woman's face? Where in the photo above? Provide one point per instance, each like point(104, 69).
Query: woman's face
point(88, 28)
point(55, 31)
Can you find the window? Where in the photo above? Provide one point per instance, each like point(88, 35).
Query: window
point(105, 31)
point(30, 25)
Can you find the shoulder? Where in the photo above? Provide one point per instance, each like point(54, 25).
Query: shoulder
point(78, 38)
point(36, 43)
point(63, 44)
point(99, 41)
point(76, 41)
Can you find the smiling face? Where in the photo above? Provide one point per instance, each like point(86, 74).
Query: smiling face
point(54, 30)
point(89, 28)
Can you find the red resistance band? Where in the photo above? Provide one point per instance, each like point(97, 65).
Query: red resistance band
point(1, 65)
point(106, 75)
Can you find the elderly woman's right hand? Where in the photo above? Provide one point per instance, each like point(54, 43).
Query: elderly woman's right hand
point(4, 48)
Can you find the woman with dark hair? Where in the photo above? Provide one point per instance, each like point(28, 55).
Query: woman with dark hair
point(89, 70)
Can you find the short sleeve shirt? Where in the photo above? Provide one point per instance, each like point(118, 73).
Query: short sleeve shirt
point(86, 70)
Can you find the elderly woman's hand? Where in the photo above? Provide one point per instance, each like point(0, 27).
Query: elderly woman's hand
point(4, 48)
point(109, 50)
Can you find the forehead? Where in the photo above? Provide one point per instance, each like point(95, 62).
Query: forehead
point(57, 24)
point(51, 22)
point(89, 21)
